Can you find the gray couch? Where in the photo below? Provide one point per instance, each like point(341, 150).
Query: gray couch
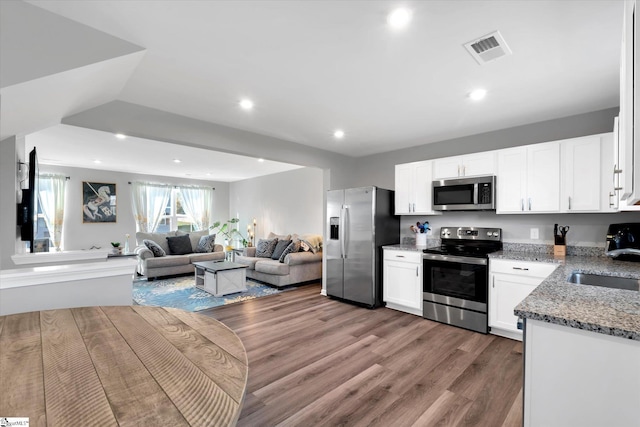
point(169, 265)
point(297, 268)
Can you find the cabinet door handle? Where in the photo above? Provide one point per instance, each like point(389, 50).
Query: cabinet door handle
point(611, 204)
point(521, 268)
point(569, 202)
point(493, 282)
point(414, 207)
point(417, 275)
point(399, 256)
point(522, 204)
point(529, 203)
point(409, 207)
point(464, 170)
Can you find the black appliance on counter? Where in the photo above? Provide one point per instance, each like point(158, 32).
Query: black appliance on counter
point(623, 241)
point(456, 276)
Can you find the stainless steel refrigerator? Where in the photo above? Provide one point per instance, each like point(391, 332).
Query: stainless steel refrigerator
point(359, 222)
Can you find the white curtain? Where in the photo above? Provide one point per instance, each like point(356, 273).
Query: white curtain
point(149, 202)
point(51, 194)
point(197, 203)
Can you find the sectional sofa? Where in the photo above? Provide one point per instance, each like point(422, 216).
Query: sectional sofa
point(295, 268)
point(158, 266)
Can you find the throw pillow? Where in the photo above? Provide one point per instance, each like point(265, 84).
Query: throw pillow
point(206, 244)
point(273, 235)
point(154, 247)
point(265, 247)
point(293, 247)
point(179, 245)
point(280, 247)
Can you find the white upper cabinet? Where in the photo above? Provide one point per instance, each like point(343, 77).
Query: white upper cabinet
point(629, 132)
point(528, 179)
point(475, 164)
point(414, 188)
point(543, 177)
point(581, 174)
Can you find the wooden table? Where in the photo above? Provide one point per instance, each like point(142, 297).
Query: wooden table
point(127, 366)
point(220, 277)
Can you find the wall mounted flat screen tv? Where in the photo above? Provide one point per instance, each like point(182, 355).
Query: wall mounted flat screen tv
point(28, 207)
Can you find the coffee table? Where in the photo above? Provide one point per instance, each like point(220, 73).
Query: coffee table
point(221, 277)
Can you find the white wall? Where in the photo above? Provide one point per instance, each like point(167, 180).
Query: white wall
point(11, 152)
point(284, 203)
point(78, 235)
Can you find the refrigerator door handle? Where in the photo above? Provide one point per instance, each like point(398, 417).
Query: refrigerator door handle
point(342, 223)
point(343, 238)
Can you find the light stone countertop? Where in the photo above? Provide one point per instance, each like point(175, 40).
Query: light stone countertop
point(593, 308)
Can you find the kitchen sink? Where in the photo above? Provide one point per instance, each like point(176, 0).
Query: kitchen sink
point(604, 281)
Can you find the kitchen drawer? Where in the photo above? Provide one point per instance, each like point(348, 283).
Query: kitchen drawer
point(403, 256)
point(521, 268)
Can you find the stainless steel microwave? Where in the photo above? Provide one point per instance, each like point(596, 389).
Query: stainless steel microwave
point(465, 194)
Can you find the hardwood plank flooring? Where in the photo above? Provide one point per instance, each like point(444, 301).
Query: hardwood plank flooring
point(315, 361)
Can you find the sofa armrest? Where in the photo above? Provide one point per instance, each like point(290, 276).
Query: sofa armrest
point(298, 258)
point(218, 248)
point(249, 251)
point(143, 252)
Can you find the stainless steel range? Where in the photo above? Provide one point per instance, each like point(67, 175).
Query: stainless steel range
point(456, 276)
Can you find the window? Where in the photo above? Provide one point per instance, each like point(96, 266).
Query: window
point(43, 230)
point(174, 216)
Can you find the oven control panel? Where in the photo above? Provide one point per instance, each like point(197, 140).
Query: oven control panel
point(471, 233)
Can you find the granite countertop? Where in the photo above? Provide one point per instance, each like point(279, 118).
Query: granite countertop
point(405, 247)
point(593, 308)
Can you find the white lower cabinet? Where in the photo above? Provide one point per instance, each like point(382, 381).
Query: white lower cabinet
point(574, 377)
point(402, 281)
point(509, 283)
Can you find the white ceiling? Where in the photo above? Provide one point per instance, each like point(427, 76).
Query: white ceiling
point(66, 145)
point(314, 66)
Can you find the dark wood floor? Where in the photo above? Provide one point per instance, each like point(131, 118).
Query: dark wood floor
point(316, 361)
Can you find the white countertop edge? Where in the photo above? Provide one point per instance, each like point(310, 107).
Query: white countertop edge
point(65, 273)
point(58, 257)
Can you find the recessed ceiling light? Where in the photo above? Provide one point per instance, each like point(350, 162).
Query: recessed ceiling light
point(246, 104)
point(96, 161)
point(177, 161)
point(121, 135)
point(261, 160)
point(338, 134)
point(399, 18)
point(478, 94)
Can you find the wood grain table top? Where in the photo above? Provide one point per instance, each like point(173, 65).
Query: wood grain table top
point(127, 366)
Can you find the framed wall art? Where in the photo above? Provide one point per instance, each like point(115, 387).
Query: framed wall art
point(98, 202)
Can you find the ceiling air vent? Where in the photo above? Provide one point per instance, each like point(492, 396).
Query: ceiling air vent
point(488, 48)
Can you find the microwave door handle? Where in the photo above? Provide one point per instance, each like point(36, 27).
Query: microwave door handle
point(475, 193)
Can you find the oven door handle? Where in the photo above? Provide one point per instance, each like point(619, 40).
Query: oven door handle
point(454, 258)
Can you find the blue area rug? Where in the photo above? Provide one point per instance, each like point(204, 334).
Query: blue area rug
point(180, 292)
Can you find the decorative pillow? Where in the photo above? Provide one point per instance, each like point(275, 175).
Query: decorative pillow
point(154, 247)
point(293, 247)
point(179, 245)
point(265, 247)
point(272, 235)
point(194, 236)
point(206, 244)
point(280, 247)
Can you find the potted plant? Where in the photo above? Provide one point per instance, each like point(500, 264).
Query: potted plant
point(116, 248)
point(226, 229)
